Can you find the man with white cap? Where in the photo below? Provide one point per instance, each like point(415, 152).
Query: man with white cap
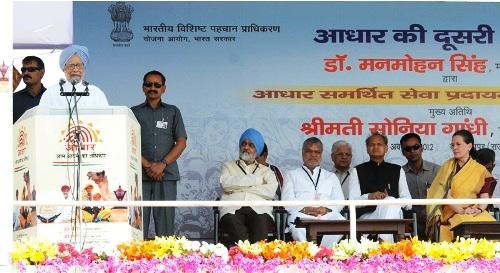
point(245, 179)
point(73, 62)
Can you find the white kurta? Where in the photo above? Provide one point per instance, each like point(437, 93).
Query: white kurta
point(381, 212)
point(344, 180)
point(52, 98)
point(298, 186)
point(259, 183)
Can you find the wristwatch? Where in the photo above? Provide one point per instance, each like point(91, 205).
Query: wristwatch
point(164, 162)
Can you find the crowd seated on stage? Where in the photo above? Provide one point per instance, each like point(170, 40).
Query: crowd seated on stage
point(375, 179)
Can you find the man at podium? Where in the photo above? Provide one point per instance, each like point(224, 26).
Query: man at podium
point(163, 138)
point(73, 62)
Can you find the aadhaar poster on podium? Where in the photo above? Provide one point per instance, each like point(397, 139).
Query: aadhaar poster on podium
point(335, 70)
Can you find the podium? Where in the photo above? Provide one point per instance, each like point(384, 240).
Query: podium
point(45, 154)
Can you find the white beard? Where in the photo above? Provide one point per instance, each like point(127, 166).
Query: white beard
point(247, 157)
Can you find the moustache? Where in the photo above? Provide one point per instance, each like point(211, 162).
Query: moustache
point(152, 92)
point(26, 77)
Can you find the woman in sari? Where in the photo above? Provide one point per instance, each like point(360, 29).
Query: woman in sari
point(458, 177)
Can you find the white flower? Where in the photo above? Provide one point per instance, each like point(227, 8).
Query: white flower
point(364, 247)
point(192, 246)
point(312, 248)
point(221, 251)
point(206, 249)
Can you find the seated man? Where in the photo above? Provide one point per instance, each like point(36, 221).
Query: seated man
point(486, 157)
point(311, 182)
point(341, 158)
point(245, 179)
point(377, 179)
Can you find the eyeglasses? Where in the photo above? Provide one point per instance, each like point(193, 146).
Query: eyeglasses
point(412, 148)
point(149, 84)
point(29, 69)
point(79, 66)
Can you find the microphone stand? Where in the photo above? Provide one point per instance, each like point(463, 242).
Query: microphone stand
point(75, 96)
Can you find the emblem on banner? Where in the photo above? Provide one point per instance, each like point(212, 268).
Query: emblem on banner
point(121, 13)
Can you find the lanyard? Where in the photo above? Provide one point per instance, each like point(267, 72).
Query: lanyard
point(238, 163)
point(345, 178)
point(312, 181)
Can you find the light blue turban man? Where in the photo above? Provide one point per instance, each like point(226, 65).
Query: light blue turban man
point(71, 50)
point(73, 62)
point(256, 138)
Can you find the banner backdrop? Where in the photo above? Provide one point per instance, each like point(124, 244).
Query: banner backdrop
point(293, 70)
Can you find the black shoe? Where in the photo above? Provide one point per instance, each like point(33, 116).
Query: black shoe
point(373, 237)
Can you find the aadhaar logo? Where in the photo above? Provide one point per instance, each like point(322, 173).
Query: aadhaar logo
point(86, 135)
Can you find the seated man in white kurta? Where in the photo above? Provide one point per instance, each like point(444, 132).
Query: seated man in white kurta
point(244, 180)
point(311, 182)
point(377, 180)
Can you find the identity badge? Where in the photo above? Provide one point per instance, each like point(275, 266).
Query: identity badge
point(161, 124)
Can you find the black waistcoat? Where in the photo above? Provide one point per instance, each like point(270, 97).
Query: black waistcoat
point(373, 177)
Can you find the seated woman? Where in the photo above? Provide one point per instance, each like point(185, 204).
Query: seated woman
point(459, 177)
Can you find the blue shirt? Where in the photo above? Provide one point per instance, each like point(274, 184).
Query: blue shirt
point(23, 101)
point(160, 128)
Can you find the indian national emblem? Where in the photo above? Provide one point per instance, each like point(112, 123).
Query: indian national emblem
point(121, 14)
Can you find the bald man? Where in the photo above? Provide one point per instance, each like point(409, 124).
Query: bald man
point(73, 62)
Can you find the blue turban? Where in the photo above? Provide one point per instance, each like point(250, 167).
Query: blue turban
point(256, 138)
point(71, 50)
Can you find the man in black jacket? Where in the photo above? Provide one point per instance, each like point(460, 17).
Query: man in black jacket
point(377, 180)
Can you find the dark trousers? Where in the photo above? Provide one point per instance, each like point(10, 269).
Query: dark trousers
point(421, 221)
point(245, 224)
point(163, 217)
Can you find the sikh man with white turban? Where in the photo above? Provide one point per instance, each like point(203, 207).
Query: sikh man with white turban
point(245, 179)
point(73, 62)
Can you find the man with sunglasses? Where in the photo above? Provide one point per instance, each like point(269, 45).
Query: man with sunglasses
point(163, 138)
point(419, 175)
point(73, 61)
point(32, 73)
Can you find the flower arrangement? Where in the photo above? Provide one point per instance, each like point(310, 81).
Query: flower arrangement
point(172, 254)
point(31, 251)
point(171, 246)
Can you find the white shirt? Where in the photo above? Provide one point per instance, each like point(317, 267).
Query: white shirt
point(355, 190)
point(255, 182)
point(298, 186)
point(344, 180)
point(52, 98)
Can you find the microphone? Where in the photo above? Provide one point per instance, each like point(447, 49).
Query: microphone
point(86, 84)
point(75, 79)
point(61, 83)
